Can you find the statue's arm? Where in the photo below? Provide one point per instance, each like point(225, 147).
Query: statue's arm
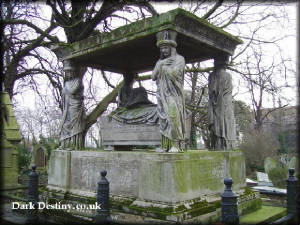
point(227, 84)
point(175, 67)
point(75, 86)
point(156, 70)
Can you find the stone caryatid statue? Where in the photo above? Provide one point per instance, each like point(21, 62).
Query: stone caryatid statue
point(169, 75)
point(73, 119)
point(221, 120)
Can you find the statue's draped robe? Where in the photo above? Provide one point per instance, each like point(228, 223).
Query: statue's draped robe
point(134, 107)
point(72, 124)
point(221, 112)
point(170, 97)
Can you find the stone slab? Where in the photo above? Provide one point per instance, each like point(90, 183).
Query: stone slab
point(115, 133)
point(263, 179)
point(158, 177)
point(59, 168)
point(119, 50)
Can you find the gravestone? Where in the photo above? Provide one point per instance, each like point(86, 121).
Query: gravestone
point(269, 164)
point(263, 179)
point(294, 163)
point(40, 157)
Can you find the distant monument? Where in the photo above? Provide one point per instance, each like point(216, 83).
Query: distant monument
point(221, 122)
point(169, 76)
point(40, 156)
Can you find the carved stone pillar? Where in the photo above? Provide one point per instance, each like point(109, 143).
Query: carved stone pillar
point(221, 120)
point(72, 125)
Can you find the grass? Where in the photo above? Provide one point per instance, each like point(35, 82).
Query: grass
point(263, 215)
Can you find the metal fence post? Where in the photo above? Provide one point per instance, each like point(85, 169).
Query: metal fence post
point(103, 214)
point(33, 196)
point(229, 204)
point(292, 193)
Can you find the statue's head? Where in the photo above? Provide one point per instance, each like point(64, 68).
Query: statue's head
point(166, 41)
point(221, 60)
point(72, 70)
point(129, 78)
point(165, 51)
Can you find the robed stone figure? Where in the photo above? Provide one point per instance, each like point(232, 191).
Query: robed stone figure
point(73, 119)
point(169, 76)
point(221, 120)
point(130, 97)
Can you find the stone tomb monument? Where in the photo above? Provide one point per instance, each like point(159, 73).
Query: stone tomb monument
point(174, 187)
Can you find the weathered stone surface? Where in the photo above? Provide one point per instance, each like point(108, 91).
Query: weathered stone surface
point(263, 179)
point(115, 133)
point(169, 76)
point(10, 137)
point(149, 176)
point(120, 49)
point(221, 122)
point(59, 170)
point(72, 124)
point(122, 134)
point(40, 157)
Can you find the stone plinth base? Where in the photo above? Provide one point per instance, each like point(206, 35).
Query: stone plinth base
point(178, 186)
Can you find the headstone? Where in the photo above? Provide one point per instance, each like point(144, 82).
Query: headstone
point(294, 163)
point(263, 179)
point(39, 157)
point(269, 164)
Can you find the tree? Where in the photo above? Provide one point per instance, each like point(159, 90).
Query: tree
point(21, 40)
point(257, 145)
point(243, 116)
point(256, 69)
point(43, 120)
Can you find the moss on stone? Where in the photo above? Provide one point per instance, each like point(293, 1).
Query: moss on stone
point(250, 206)
point(200, 211)
point(142, 28)
point(263, 215)
point(217, 203)
point(199, 204)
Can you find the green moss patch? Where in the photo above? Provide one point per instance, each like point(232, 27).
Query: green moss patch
point(263, 215)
